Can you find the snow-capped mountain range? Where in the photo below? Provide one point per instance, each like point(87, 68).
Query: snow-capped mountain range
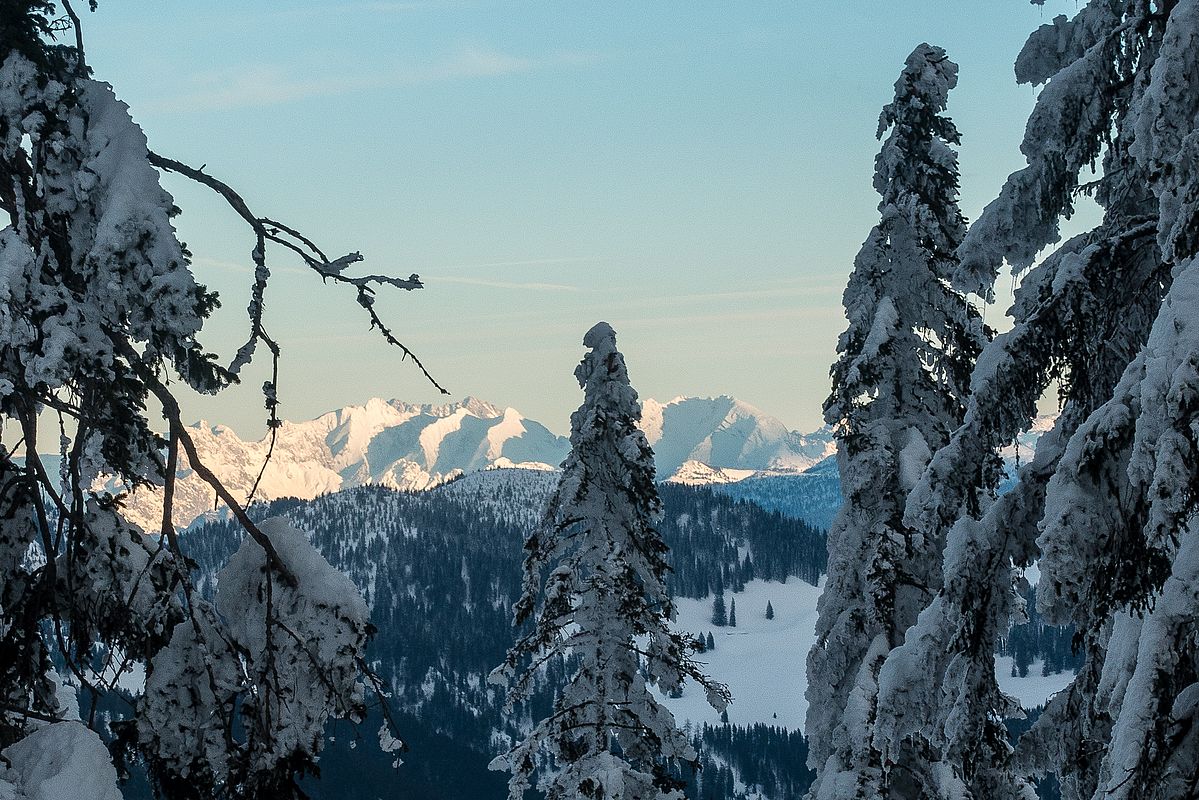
point(414, 447)
point(728, 435)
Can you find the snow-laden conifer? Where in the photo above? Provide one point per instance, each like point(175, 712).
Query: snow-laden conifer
point(1120, 549)
point(720, 614)
point(100, 318)
point(594, 589)
point(1106, 501)
point(900, 385)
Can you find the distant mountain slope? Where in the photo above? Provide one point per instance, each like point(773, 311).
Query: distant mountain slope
point(725, 433)
point(385, 443)
point(813, 496)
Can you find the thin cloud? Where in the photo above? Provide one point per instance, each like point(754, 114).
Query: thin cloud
point(272, 84)
point(251, 14)
point(393, 8)
point(739, 294)
point(369, 7)
point(533, 286)
point(718, 318)
point(529, 262)
point(788, 290)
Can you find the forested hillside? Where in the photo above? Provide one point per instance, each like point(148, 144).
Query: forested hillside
point(441, 569)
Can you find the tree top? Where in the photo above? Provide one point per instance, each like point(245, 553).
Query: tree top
point(604, 362)
point(927, 78)
point(601, 336)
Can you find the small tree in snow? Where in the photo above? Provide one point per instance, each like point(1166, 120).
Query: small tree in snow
point(899, 387)
point(733, 613)
point(603, 601)
point(769, 610)
point(720, 615)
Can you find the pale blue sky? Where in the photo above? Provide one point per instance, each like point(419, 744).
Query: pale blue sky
point(697, 174)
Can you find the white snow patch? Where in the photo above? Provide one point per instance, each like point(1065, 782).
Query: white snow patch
point(1036, 689)
point(761, 661)
point(510, 426)
point(62, 761)
point(697, 473)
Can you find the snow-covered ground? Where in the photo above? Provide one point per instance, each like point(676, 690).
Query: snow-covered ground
point(1033, 690)
point(761, 660)
point(764, 661)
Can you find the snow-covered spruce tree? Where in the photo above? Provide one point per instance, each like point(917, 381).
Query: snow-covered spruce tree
point(99, 311)
point(899, 388)
point(1120, 548)
point(1121, 83)
point(604, 603)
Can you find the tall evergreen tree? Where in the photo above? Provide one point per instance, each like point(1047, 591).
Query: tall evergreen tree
point(1105, 504)
point(603, 601)
point(899, 388)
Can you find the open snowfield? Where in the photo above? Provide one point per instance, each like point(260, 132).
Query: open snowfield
point(764, 661)
point(761, 660)
point(1033, 690)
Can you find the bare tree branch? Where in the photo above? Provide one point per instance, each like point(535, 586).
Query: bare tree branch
point(173, 415)
point(266, 229)
point(80, 62)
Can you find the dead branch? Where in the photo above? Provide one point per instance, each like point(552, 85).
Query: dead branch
point(267, 229)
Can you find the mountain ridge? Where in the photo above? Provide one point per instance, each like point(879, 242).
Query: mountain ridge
point(408, 446)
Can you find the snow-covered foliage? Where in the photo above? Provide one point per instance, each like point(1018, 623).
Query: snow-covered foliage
point(99, 313)
point(1079, 61)
point(189, 703)
point(900, 385)
point(306, 638)
point(1107, 502)
point(123, 585)
point(95, 290)
point(309, 637)
point(60, 761)
point(594, 588)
